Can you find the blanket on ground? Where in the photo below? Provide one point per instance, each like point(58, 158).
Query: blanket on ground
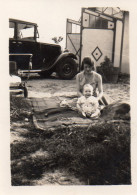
point(48, 115)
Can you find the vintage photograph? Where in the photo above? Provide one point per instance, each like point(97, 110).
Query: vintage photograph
point(69, 72)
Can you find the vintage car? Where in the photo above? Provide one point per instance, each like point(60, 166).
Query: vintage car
point(46, 58)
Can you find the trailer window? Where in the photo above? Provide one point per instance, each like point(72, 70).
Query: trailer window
point(92, 21)
point(101, 23)
point(104, 24)
point(97, 22)
point(75, 28)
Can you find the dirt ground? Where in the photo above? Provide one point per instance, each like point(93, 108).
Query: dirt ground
point(40, 87)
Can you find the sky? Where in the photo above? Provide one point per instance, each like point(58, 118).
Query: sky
point(50, 15)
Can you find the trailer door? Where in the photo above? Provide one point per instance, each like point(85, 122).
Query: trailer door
point(98, 36)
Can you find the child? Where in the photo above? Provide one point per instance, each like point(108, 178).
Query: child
point(88, 104)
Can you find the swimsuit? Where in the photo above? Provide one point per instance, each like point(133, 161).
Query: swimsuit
point(93, 80)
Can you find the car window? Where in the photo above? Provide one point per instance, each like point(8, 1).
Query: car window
point(11, 29)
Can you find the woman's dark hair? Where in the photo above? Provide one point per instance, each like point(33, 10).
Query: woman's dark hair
point(87, 60)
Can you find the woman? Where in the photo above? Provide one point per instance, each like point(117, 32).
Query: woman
point(89, 76)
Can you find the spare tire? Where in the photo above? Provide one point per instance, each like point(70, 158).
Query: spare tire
point(12, 67)
point(67, 69)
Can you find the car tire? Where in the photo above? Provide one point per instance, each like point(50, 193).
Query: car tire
point(67, 69)
point(46, 74)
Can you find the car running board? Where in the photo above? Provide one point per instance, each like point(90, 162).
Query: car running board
point(29, 71)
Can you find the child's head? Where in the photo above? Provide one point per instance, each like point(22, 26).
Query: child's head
point(87, 90)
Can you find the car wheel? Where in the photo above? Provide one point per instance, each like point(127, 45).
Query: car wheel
point(67, 69)
point(46, 73)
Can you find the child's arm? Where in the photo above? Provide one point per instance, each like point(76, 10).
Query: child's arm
point(79, 107)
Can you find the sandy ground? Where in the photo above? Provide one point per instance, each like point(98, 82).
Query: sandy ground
point(38, 87)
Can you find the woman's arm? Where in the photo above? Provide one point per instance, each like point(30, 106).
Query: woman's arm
point(100, 88)
point(78, 86)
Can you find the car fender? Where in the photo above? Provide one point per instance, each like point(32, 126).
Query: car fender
point(60, 58)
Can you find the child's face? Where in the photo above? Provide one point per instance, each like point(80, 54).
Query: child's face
point(87, 92)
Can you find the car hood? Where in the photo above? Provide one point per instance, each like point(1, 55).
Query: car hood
point(51, 44)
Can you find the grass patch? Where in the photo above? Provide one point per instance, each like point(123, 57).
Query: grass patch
point(100, 154)
point(19, 108)
point(97, 155)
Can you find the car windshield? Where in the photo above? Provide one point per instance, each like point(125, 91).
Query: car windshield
point(25, 31)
